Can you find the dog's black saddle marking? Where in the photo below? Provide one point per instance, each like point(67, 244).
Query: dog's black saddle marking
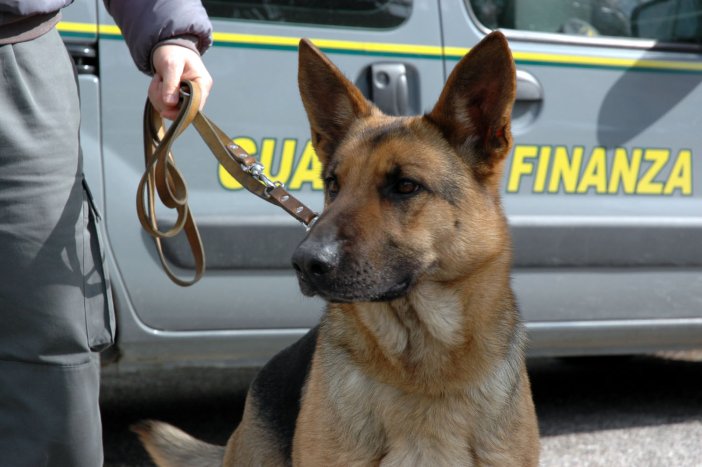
point(277, 388)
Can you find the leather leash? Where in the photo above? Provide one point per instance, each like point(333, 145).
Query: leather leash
point(162, 177)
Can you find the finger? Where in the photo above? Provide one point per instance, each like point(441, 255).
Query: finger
point(204, 91)
point(154, 93)
point(171, 83)
point(196, 71)
point(155, 96)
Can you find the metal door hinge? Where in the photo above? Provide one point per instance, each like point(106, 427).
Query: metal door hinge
point(85, 58)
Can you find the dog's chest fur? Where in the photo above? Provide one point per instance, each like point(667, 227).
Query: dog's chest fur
point(399, 428)
point(397, 424)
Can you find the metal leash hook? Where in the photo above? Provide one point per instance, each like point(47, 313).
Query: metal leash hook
point(251, 166)
point(255, 169)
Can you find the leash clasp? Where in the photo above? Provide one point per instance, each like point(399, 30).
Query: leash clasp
point(250, 165)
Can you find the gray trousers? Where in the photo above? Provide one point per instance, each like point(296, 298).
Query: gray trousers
point(54, 308)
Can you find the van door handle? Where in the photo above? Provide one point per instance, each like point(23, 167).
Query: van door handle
point(528, 87)
point(528, 103)
point(391, 88)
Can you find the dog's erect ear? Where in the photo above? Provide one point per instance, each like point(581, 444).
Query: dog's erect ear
point(474, 108)
point(332, 102)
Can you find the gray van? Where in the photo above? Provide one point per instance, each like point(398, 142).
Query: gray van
point(602, 189)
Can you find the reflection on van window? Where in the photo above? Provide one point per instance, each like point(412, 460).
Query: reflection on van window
point(377, 14)
point(662, 20)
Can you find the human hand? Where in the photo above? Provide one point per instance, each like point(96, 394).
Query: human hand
point(172, 64)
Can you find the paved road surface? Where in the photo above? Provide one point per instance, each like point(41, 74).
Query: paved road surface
point(641, 411)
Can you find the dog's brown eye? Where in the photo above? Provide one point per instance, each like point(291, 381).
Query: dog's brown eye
point(406, 187)
point(332, 186)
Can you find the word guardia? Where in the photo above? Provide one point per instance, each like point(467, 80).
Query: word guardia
point(638, 171)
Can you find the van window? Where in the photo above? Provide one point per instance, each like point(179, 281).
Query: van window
point(377, 14)
point(662, 20)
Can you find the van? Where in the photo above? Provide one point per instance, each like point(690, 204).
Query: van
point(602, 188)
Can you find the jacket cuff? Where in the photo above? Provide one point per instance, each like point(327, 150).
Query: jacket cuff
point(188, 41)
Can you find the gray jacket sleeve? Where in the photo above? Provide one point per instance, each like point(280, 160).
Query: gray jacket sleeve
point(145, 23)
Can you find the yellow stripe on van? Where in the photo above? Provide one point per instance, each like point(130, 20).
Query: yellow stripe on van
point(606, 62)
point(254, 39)
point(110, 30)
point(328, 45)
point(532, 58)
point(222, 39)
point(65, 26)
point(86, 29)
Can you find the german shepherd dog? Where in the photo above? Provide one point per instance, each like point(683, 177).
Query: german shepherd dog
point(418, 359)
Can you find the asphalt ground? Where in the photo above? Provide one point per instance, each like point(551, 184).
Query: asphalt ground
point(604, 411)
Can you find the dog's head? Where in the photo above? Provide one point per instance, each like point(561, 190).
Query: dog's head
point(406, 198)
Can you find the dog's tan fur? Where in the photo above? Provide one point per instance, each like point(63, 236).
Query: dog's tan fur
point(419, 357)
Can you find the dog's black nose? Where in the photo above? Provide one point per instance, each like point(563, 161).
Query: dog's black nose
point(315, 259)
